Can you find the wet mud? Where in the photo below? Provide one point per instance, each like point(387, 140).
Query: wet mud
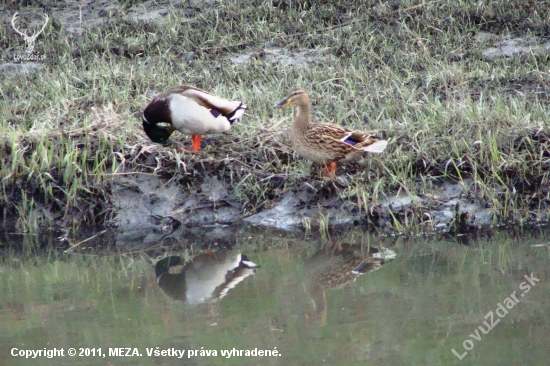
point(147, 209)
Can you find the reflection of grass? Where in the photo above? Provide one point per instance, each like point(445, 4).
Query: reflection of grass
point(60, 296)
point(412, 311)
point(412, 71)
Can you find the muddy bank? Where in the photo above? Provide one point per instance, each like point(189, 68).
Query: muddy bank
point(149, 209)
point(466, 114)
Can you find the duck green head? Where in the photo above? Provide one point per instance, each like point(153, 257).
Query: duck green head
point(155, 132)
point(158, 111)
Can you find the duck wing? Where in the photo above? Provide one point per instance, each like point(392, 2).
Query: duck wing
point(348, 140)
point(232, 110)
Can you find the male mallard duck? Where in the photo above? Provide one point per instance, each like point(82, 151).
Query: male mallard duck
point(335, 267)
point(326, 143)
point(207, 277)
point(191, 111)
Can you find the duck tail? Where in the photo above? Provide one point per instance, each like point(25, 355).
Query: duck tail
point(376, 147)
point(237, 113)
point(377, 258)
point(247, 263)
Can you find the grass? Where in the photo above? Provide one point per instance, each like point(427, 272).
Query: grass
point(413, 70)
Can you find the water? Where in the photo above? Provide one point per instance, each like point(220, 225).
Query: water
point(414, 310)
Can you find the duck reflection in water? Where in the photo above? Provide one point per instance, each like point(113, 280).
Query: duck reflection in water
point(208, 277)
point(335, 267)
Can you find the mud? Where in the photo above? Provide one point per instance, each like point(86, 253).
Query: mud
point(77, 17)
point(149, 209)
point(283, 57)
point(512, 47)
point(24, 68)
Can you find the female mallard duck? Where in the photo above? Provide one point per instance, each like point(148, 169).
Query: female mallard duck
point(190, 111)
point(326, 143)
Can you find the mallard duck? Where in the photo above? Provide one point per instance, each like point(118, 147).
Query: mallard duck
point(207, 277)
point(191, 111)
point(324, 142)
point(335, 267)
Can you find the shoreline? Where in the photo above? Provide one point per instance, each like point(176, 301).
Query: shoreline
point(465, 109)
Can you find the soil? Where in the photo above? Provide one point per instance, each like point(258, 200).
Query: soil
point(147, 209)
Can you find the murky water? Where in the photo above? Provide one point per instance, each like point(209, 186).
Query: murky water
point(302, 303)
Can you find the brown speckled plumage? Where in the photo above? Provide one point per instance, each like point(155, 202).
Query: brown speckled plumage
point(326, 143)
point(335, 267)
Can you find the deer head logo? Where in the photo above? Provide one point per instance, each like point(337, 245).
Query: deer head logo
point(29, 40)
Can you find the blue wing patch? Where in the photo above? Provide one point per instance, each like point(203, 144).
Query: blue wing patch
point(215, 113)
point(351, 142)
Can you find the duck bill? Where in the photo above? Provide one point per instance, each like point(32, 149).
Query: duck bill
point(283, 103)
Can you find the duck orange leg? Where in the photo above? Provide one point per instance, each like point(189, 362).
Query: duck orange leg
point(196, 140)
point(329, 170)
